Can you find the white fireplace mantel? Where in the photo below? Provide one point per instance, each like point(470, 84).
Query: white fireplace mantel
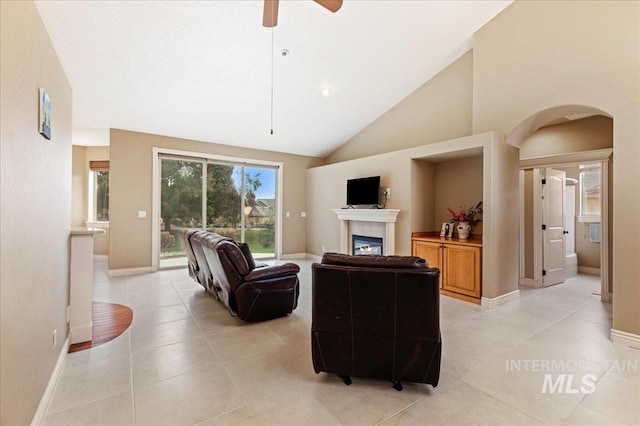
point(386, 216)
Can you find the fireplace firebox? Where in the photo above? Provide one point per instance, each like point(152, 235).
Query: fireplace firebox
point(361, 244)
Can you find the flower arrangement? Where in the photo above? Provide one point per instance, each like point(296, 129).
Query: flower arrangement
point(463, 215)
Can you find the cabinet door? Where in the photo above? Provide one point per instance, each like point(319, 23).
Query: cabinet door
point(431, 252)
point(462, 273)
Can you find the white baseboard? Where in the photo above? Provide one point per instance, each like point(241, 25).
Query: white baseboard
point(629, 339)
point(100, 257)
point(314, 258)
point(588, 270)
point(529, 282)
point(492, 303)
point(305, 256)
point(293, 256)
point(130, 271)
point(41, 412)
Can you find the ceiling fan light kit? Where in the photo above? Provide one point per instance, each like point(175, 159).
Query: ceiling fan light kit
point(270, 13)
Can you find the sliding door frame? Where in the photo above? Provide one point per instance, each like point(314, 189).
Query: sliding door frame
point(155, 214)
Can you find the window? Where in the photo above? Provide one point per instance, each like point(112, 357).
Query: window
point(98, 191)
point(590, 182)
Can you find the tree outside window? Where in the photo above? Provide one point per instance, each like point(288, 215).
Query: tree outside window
point(99, 191)
point(102, 196)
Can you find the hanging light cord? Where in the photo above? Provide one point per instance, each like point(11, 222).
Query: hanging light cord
point(272, 75)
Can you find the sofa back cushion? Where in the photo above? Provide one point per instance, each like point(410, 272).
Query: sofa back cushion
point(375, 321)
point(246, 251)
point(235, 256)
point(374, 261)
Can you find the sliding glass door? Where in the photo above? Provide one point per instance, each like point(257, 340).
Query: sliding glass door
point(181, 198)
point(235, 200)
point(259, 201)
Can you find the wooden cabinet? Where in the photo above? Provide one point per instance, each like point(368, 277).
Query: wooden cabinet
point(459, 261)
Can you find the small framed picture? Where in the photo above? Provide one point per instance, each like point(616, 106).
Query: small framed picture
point(446, 230)
point(44, 114)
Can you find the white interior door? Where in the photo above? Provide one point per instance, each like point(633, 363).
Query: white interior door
point(553, 215)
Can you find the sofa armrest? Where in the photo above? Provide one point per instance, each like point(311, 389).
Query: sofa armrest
point(270, 272)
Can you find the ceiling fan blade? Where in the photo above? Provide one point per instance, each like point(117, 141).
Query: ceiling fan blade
point(270, 14)
point(332, 5)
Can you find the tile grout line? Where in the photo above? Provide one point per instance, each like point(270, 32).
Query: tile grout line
point(133, 394)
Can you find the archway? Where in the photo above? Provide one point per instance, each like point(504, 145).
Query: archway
point(534, 122)
point(573, 155)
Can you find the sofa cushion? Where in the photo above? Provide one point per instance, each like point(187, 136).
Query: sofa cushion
point(374, 261)
point(246, 251)
point(235, 255)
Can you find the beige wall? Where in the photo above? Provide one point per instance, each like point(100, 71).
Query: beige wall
point(457, 183)
point(422, 202)
point(79, 198)
point(35, 212)
point(437, 111)
point(326, 190)
point(131, 190)
point(79, 186)
point(413, 176)
point(536, 55)
point(501, 191)
point(626, 193)
point(438, 183)
point(586, 134)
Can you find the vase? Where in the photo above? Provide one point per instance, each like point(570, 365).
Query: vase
point(463, 230)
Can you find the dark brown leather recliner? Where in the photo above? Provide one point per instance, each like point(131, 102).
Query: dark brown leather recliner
point(376, 317)
point(227, 270)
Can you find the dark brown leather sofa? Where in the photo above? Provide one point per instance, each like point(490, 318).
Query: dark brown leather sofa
point(227, 270)
point(376, 317)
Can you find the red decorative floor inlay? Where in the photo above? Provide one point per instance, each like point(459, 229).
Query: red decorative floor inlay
point(109, 321)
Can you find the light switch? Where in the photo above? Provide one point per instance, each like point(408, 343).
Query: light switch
point(288, 214)
point(142, 213)
point(303, 214)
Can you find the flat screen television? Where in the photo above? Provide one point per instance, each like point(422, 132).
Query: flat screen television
point(363, 191)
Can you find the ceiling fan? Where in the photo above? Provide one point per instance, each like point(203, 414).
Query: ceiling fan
point(270, 15)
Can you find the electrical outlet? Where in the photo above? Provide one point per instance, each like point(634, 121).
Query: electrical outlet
point(288, 214)
point(55, 338)
point(387, 193)
point(303, 214)
point(323, 249)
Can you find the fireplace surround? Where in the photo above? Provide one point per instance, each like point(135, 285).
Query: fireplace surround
point(359, 220)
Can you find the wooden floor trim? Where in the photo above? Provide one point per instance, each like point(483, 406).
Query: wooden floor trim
point(109, 321)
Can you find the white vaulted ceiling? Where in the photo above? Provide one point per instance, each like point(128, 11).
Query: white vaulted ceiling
point(202, 69)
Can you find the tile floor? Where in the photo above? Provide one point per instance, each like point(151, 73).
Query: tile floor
point(186, 361)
